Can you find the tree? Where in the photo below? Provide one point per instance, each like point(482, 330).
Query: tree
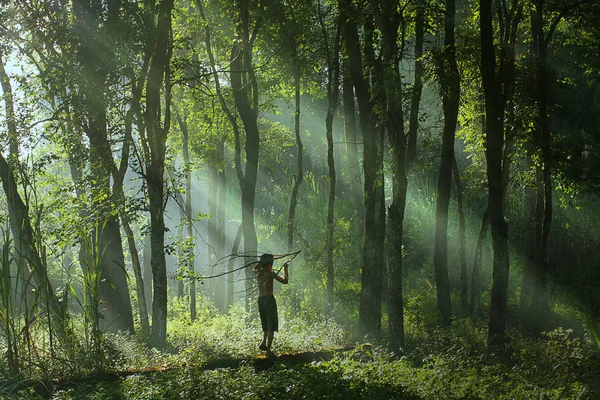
point(450, 88)
point(542, 142)
point(389, 85)
point(374, 223)
point(496, 87)
point(157, 131)
point(245, 92)
point(332, 54)
point(290, 28)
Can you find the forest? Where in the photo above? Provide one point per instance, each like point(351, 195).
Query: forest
point(429, 169)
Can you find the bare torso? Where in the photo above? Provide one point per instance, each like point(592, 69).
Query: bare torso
point(265, 282)
point(265, 278)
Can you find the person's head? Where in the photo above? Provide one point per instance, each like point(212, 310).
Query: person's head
point(265, 261)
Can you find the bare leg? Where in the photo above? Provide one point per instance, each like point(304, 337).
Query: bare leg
point(263, 344)
point(269, 340)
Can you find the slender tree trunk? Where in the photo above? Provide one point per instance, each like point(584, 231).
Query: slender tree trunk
point(462, 237)
point(119, 195)
point(157, 136)
point(222, 185)
point(147, 271)
point(245, 91)
point(541, 300)
point(333, 91)
point(181, 261)
point(351, 143)
point(299, 178)
point(388, 20)
point(190, 239)
point(139, 281)
point(450, 83)
point(221, 213)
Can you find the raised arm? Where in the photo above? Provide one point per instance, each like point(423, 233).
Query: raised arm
point(285, 279)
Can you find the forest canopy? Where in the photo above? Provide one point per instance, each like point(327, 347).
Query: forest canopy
point(428, 169)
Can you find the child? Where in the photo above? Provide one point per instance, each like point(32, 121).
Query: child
point(267, 307)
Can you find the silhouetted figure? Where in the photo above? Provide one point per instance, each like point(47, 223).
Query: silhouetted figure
point(267, 306)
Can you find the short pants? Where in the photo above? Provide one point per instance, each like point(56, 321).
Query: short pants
point(267, 308)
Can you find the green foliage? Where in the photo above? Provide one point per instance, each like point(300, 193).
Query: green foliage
point(451, 363)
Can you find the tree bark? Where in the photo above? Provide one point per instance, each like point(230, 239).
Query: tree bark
point(374, 233)
point(190, 239)
point(221, 214)
point(147, 271)
point(450, 86)
point(493, 151)
point(299, 178)
point(245, 91)
point(541, 300)
point(388, 19)
point(333, 91)
point(119, 195)
point(351, 143)
point(157, 136)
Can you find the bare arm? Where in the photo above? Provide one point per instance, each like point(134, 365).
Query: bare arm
point(285, 278)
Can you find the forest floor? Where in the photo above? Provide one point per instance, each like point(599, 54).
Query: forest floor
point(46, 389)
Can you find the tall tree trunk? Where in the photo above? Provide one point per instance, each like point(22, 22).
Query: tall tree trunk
point(298, 179)
point(332, 51)
point(190, 239)
point(374, 234)
point(450, 86)
point(493, 150)
point(462, 237)
point(222, 190)
point(351, 143)
point(221, 214)
point(119, 195)
point(181, 261)
point(245, 91)
point(157, 136)
point(388, 19)
point(541, 301)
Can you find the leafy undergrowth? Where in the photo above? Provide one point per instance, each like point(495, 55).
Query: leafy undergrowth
point(453, 363)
